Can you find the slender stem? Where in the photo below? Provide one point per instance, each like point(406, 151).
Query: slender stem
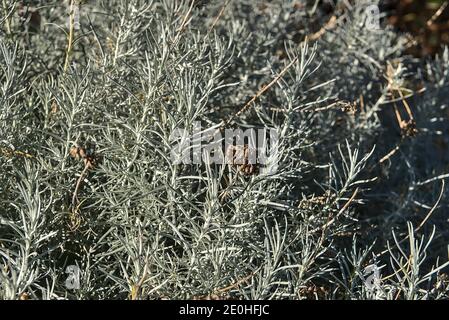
point(70, 37)
point(437, 14)
point(406, 105)
point(78, 184)
point(260, 93)
point(220, 14)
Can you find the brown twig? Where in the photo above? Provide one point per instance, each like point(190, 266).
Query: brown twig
point(426, 218)
point(343, 209)
point(220, 14)
point(407, 127)
point(216, 294)
point(406, 105)
point(9, 153)
point(433, 208)
point(264, 89)
point(236, 284)
point(328, 26)
point(90, 161)
point(332, 220)
point(438, 13)
point(397, 113)
point(345, 106)
point(70, 36)
point(389, 154)
point(136, 288)
point(78, 184)
point(185, 20)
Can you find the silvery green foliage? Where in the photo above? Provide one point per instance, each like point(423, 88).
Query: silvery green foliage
point(149, 229)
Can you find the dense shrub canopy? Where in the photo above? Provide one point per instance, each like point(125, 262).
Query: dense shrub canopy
point(90, 98)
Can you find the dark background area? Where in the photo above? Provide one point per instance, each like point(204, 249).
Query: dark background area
point(415, 18)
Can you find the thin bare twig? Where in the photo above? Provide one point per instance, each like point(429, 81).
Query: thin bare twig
point(70, 36)
point(185, 20)
point(433, 208)
point(78, 184)
point(220, 14)
point(390, 154)
point(423, 221)
point(406, 105)
point(432, 20)
point(259, 93)
point(9, 153)
point(236, 284)
point(342, 210)
point(328, 26)
point(331, 221)
point(440, 177)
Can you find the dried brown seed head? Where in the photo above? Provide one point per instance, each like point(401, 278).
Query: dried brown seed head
point(408, 128)
point(77, 153)
point(24, 296)
point(240, 156)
